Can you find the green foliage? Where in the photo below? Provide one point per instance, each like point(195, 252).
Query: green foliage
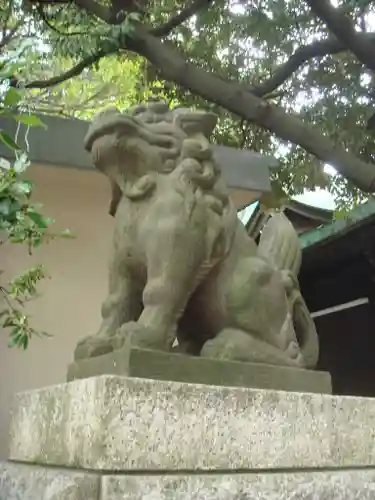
point(19, 291)
point(114, 82)
point(240, 41)
point(21, 222)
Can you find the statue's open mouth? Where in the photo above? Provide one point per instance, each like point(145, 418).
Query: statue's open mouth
point(112, 122)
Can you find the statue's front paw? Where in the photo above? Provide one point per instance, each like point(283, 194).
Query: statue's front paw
point(138, 335)
point(91, 347)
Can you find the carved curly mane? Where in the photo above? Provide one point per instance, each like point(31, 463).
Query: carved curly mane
point(149, 140)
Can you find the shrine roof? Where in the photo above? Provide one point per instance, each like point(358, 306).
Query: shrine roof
point(362, 215)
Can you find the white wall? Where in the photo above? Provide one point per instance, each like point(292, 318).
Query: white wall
point(69, 307)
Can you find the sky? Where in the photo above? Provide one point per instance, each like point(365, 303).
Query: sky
point(319, 198)
point(322, 198)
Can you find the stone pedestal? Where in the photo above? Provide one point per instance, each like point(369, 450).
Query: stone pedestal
point(112, 438)
point(157, 365)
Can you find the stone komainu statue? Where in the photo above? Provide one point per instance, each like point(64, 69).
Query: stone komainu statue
point(182, 264)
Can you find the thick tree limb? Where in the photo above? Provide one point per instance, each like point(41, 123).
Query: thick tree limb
point(343, 29)
point(234, 98)
point(301, 56)
point(184, 15)
point(95, 9)
point(115, 14)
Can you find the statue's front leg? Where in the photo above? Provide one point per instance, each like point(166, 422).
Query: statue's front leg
point(176, 253)
point(122, 305)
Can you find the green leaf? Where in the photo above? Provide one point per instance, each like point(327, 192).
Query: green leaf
point(12, 97)
point(5, 164)
point(8, 141)
point(4, 314)
point(15, 340)
point(22, 188)
point(8, 206)
point(38, 219)
point(8, 321)
point(4, 186)
point(21, 164)
point(25, 342)
point(30, 120)
point(37, 242)
point(35, 207)
point(7, 71)
point(15, 332)
point(67, 234)
point(44, 334)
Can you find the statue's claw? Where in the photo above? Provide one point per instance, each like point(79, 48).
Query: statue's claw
point(141, 336)
point(91, 347)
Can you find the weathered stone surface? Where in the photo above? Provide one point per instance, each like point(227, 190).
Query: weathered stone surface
point(157, 365)
point(27, 482)
point(345, 485)
point(118, 423)
point(182, 264)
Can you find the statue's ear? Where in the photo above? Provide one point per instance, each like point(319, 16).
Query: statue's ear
point(116, 195)
point(209, 122)
point(195, 121)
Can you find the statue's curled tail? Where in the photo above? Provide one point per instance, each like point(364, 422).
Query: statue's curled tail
point(279, 245)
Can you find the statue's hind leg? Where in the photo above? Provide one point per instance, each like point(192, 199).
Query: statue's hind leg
point(258, 325)
point(237, 345)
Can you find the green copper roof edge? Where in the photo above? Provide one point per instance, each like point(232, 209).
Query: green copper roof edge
point(340, 226)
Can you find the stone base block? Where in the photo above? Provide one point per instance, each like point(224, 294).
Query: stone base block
point(142, 363)
point(27, 482)
point(126, 424)
point(22, 482)
point(348, 485)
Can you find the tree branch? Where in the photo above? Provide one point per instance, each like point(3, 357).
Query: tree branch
point(95, 9)
point(164, 29)
point(71, 73)
point(301, 56)
point(49, 25)
point(241, 102)
point(115, 14)
point(343, 29)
